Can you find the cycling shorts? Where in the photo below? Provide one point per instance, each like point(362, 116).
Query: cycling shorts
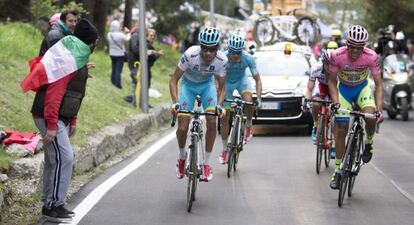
point(242, 86)
point(206, 90)
point(361, 95)
point(321, 90)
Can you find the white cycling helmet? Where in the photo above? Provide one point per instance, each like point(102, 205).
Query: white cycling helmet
point(357, 36)
point(209, 36)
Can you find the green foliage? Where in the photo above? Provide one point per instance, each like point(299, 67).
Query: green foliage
point(73, 5)
point(380, 13)
point(103, 104)
point(171, 19)
point(5, 161)
point(42, 9)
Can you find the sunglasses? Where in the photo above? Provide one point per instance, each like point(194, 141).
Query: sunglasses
point(208, 49)
point(232, 52)
point(355, 48)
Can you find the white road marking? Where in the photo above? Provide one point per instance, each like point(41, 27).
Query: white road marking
point(402, 191)
point(90, 201)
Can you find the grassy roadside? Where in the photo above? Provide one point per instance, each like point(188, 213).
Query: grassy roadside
point(103, 104)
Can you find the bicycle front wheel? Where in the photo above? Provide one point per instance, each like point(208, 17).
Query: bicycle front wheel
point(358, 147)
point(319, 145)
point(192, 173)
point(232, 150)
point(346, 169)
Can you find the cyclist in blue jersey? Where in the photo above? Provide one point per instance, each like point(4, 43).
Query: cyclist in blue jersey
point(236, 79)
point(197, 67)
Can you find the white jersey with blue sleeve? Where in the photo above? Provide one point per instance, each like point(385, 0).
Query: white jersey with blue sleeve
point(197, 72)
point(317, 73)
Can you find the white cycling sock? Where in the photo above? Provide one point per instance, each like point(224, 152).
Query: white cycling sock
point(224, 142)
point(249, 123)
point(207, 158)
point(183, 154)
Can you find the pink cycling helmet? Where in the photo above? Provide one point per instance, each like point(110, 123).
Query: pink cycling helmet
point(54, 19)
point(357, 36)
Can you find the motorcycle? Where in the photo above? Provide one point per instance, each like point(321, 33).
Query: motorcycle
point(398, 77)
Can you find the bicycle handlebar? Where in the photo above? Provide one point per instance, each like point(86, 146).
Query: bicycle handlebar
point(325, 102)
point(192, 112)
point(357, 113)
point(236, 100)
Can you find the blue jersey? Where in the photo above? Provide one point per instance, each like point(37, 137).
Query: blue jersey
point(237, 70)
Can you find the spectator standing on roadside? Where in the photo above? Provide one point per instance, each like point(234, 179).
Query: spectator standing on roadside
point(153, 54)
point(55, 109)
point(117, 51)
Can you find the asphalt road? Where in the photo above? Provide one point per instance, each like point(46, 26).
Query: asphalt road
point(276, 183)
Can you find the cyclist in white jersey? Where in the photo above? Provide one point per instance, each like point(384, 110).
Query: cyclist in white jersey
point(197, 67)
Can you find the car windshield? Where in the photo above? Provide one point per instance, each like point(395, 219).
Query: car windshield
point(281, 65)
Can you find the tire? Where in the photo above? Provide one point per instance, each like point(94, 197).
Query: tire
point(391, 115)
point(356, 161)
point(319, 145)
point(233, 142)
point(346, 164)
point(193, 175)
point(404, 109)
point(315, 28)
point(264, 27)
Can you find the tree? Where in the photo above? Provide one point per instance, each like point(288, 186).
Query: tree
point(380, 13)
point(128, 13)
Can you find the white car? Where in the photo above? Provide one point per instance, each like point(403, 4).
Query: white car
point(284, 70)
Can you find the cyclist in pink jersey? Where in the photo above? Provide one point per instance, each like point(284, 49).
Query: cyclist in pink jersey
point(349, 68)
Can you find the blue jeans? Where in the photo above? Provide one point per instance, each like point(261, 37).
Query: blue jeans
point(117, 65)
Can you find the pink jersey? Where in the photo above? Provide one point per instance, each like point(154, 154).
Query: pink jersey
point(353, 73)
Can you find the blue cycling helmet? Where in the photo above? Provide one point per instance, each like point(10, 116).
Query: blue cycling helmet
point(209, 36)
point(236, 43)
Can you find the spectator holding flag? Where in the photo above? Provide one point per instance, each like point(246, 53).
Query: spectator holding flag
point(59, 80)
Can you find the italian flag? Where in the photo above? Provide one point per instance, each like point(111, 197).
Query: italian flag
point(63, 58)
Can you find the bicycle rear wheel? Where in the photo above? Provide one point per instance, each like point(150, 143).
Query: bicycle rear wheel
point(356, 161)
point(319, 145)
point(192, 174)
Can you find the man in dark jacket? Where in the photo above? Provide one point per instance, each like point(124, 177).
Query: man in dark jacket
point(133, 56)
point(54, 110)
point(65, 26)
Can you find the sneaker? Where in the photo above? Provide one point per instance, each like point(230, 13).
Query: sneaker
point(332, 153)
point(65, 210)
point(367, 154)
point(248, 133)
point(336, 178)
point(313, 134)
point(208, 174)
point(223, 157)
point(56, 214)
point(180, 168)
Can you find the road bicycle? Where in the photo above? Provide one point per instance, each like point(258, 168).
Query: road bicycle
point(351, 160)
point(324, 135)
point(195, 153)
point(271, 29)
point(236, 142)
